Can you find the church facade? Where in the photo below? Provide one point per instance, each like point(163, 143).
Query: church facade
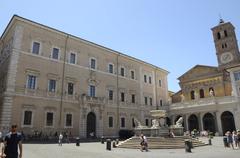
point(51, 81)
point(209, 96)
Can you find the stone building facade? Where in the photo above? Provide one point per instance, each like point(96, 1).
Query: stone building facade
point(209, 96)
point(52, 81)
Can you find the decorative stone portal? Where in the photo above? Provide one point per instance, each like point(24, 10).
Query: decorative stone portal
point(91, 125)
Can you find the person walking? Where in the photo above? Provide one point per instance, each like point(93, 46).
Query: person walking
point(230, 139)
point(238, 138)
point(2, 154)
point(12, 142)
point(235, 138)
point(60, 139)
point(143, 143)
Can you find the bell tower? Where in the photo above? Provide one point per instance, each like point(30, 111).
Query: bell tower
point(226, 44)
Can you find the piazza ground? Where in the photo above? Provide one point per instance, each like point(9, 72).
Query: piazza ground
point(98, 150)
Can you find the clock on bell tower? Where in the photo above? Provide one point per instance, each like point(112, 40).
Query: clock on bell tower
point(226, 44)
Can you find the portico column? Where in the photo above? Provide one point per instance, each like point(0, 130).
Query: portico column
point(185, 117)
point(218, 122)
point(173, 117)
point(237, 118)
point(200, 123)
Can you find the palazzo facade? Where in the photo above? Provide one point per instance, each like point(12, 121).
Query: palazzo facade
point(53, 81)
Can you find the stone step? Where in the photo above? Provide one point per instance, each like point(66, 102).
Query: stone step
point(160, 143)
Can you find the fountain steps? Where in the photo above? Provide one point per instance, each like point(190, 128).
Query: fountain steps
point(160, 143)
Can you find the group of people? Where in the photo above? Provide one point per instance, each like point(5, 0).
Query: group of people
point(9, 146)
point(232, 139)
point(64, 136)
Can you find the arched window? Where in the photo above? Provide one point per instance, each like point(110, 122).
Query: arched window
point(192, 95)
point(201, 92)
point(218, 35)
point(225, 33)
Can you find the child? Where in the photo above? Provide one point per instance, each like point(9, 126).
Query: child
point(2, 154)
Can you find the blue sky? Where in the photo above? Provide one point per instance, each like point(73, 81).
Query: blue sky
point(172, 34)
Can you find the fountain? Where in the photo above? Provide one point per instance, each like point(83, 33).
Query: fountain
point(159, 127)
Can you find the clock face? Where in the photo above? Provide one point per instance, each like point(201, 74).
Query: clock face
point(226, 57)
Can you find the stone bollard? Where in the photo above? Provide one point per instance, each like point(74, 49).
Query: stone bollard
point(108, 144)
point(102, 140)
point(188, 146)
point(209, 141)
point(114, 144)
point(77, 141)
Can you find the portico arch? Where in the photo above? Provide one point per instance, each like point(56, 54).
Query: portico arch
point(228, 123)
point(193, 122)
point(168, 121)
point(209, 122)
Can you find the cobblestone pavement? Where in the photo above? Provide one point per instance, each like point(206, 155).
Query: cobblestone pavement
point(98, 150)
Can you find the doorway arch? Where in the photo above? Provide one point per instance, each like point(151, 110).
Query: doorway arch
point(228, 123)
point(91, 125)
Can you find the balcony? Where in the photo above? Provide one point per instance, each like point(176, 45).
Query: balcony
point(93, 100)
point(204, 102)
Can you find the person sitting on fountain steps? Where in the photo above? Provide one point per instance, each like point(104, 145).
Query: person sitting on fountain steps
point(143, 143)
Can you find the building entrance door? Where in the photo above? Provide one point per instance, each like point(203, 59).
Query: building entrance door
point(91, 125)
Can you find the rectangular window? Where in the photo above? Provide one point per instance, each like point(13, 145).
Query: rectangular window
point(146, 100)
point(70, 88)
point(73, 58)
point(237, 76)
point(150, 101)
point(55, 53)
point(92, 91)
point(93, 64)
point(110, 95)
point(160, 83)
point(122, 97)
point(52, 85)
point(132, 75)
point(133, 98)
point(110, 122)
point(27, 118)
point(150, 80)
point(68, 120)
point(110, 68)
point(123, 122)
point(145, 78)
point(49, 120)
point(31, 82)
point(122, 71)
point(133, 123)
point(146, 122)
point(36, 48)
point(161, 103)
